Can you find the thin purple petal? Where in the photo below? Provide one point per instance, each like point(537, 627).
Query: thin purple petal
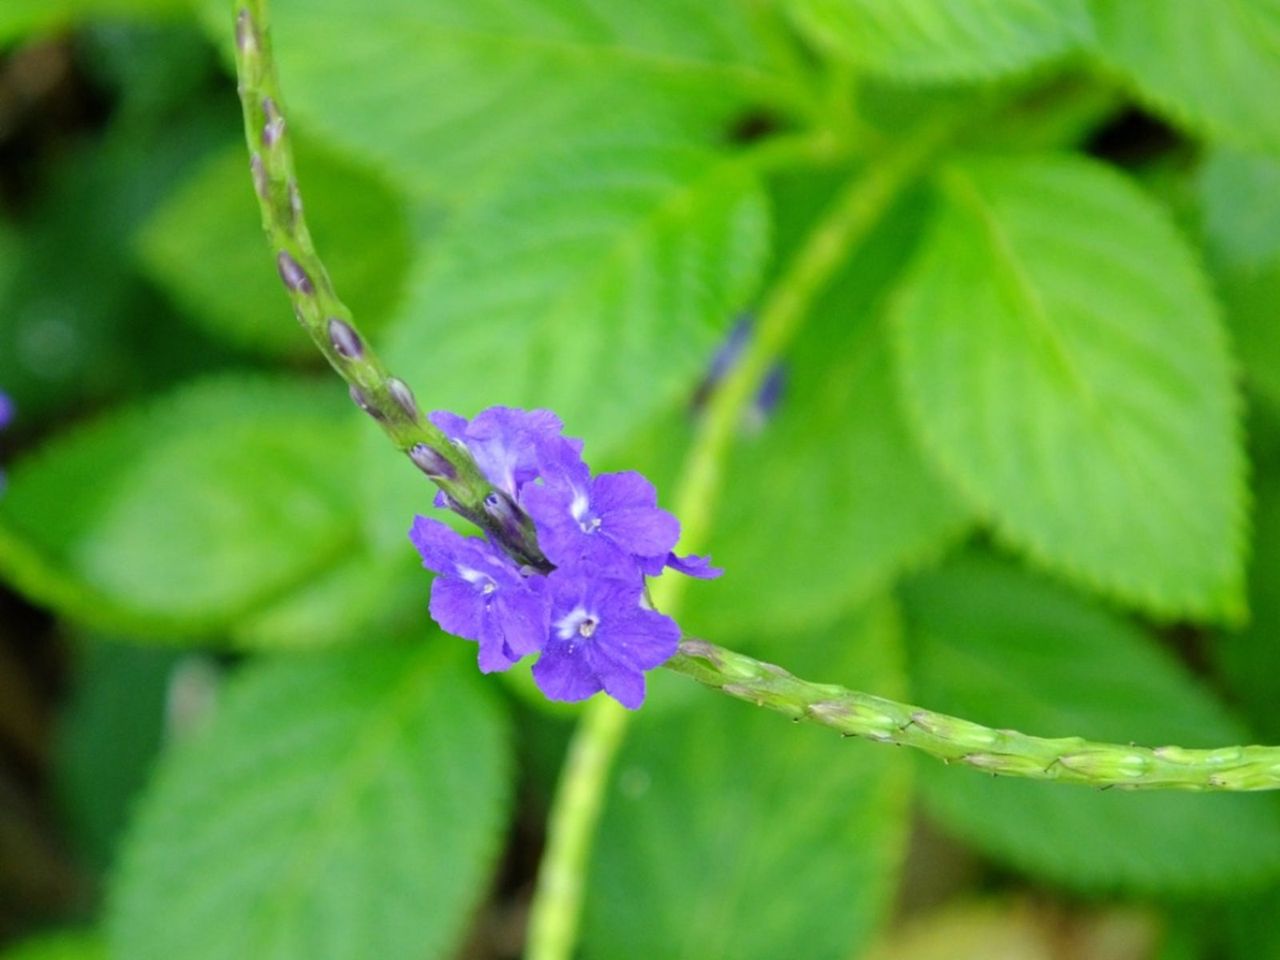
point(693, 565)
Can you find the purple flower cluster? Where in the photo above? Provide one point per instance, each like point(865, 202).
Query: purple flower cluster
point(588, 620)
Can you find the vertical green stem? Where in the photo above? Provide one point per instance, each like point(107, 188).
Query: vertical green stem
point(575, 814)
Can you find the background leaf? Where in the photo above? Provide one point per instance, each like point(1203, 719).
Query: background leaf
point(518, 75)
point(191, 511)
point(341, 805)
point(729, 834)
point(997, 646)
point(597, 286)
point(1208, 64)
point(20, 19)
point(1237, 194)
point(58, 946)
point(204, 246)
point(932, 40)
point(830, 500)
point(1250, 658)
point(1064, 364)
point(110, 733)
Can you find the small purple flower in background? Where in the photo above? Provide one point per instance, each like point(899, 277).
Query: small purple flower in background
point(480, 595)
point(7, 412)
point(588, 620)
point(602, 638)
point(726, 358)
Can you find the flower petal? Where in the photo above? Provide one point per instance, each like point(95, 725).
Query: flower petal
point(439, 545)
point(561, 675)
point(693, 565)
point(457, 607)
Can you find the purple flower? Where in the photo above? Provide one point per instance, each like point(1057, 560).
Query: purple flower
point(611, 520)
point(602, 638)
point(479, 594)
point(7, 412)
point(725, 359)
point(588, 618)
point(504, 442)
point(693, 566)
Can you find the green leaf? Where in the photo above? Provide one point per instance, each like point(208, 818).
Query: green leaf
point(78, 324)
point(188, 512)
point(1064, 365)
point(58, 946)
point(830, 500)
point(1251, 927)
point(361, 595)
point(205, 247)
point(730, 834)
point(109, 735)
point(1237, 194)
point(20, 19)
point(996, 646)
point(341, 805)
point(597, 286)
point(1250, 658)
point(446, 94)
point(940, 40)
point(1209, 64)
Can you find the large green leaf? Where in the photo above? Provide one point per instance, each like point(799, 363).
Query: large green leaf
point(1251, 657)
point(187, 512)
point(944, 40)
point(444, 93)
point(341, 805)
point(205, 247)
point(597, 286)
point(1065, 365)
point(731, 833)
point(67, 945)
point(996, 646)
point(1211, 64)
point(1242, 231)
point(109, 734)
point(830, 499)
point(76, 323)
point(22, 18)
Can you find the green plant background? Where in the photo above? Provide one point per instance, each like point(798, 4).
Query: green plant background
point(1026, 470)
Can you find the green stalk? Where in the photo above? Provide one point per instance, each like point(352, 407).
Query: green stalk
point(575, 813)
point(328, 321)
point(952, 740)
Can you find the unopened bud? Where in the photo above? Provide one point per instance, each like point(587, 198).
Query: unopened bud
point(431, 463)
point(346, 342)
point(291, 272)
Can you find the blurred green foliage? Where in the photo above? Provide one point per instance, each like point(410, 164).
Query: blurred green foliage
point(1025, 469)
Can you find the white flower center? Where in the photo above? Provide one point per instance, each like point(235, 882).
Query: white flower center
point(577, 623)
point(476, 578)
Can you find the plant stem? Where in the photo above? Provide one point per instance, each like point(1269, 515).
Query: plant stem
point(328, 321)
point(575, 813)
point(1007, 752)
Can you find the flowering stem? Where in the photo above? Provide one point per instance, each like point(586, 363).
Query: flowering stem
point(557, 903)
point(1008, 752)
point(328, 321)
